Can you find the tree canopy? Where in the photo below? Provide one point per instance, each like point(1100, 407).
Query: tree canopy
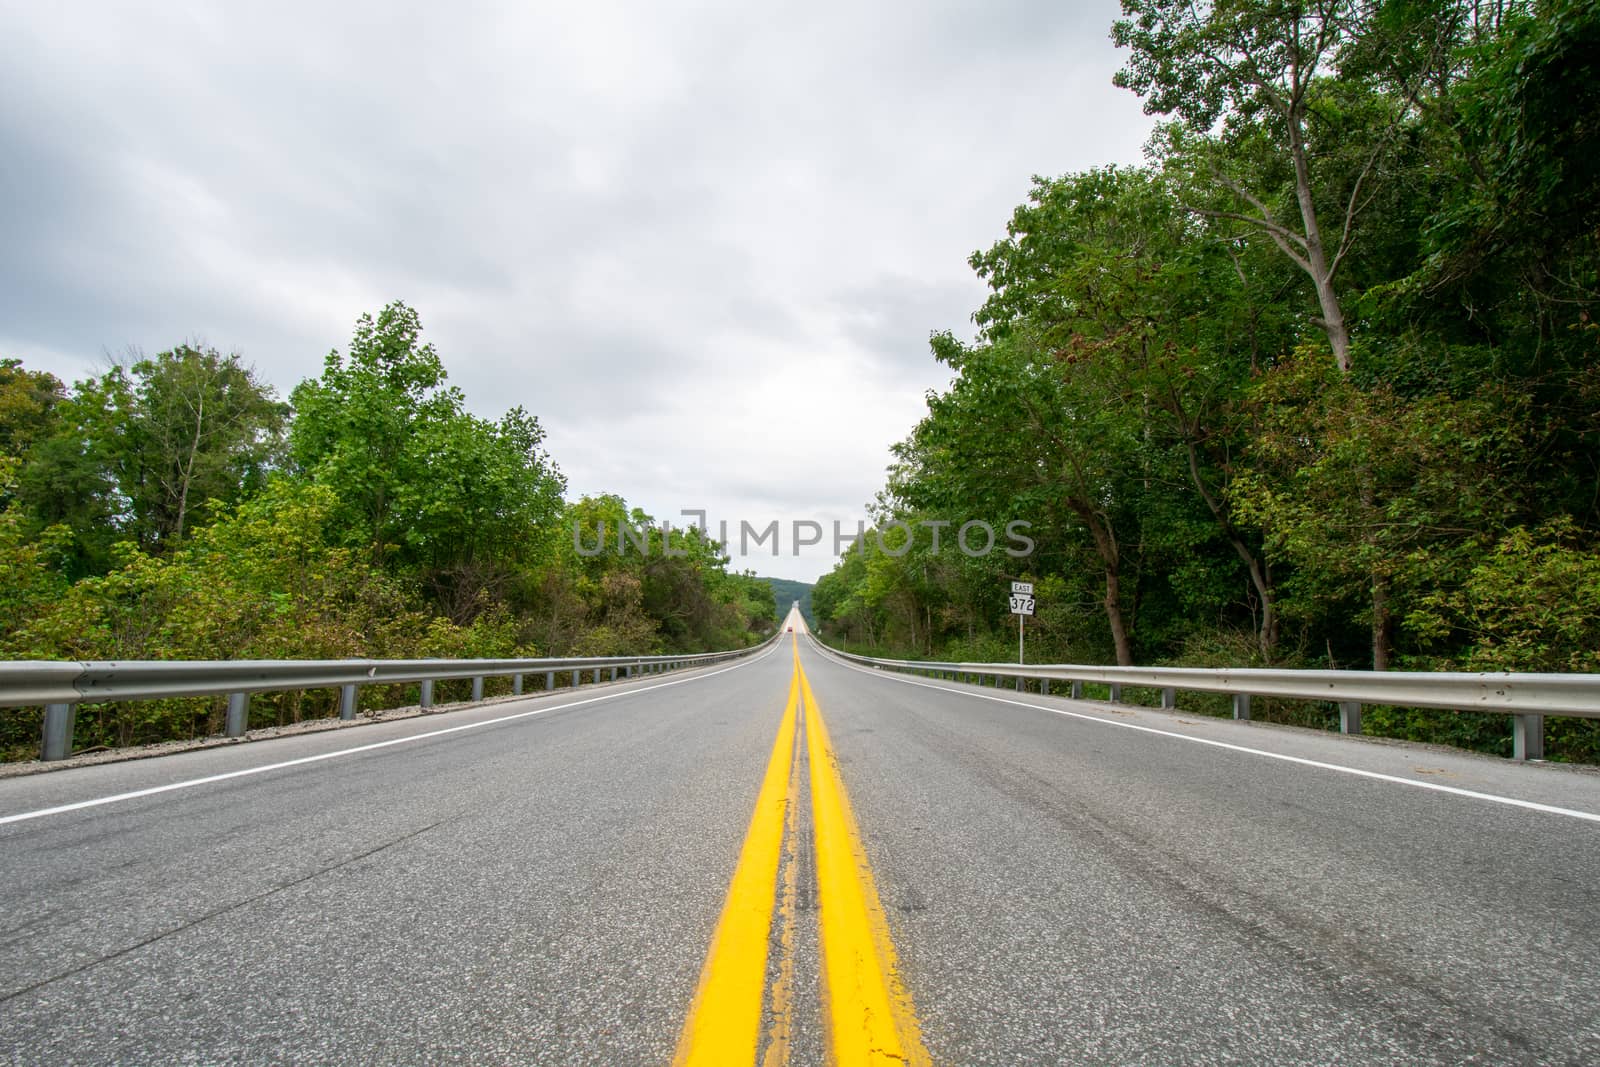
point(172, 507)
point(1314, 387)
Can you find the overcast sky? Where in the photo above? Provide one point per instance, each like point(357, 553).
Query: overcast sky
point(705, 243)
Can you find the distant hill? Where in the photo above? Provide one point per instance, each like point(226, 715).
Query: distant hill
point(786, 592)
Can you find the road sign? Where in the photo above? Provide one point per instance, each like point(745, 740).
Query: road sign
point(1021, 604)
point(1022, 588)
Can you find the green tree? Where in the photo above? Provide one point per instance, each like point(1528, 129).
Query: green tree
point(200, 428)
point(643, 586)
point(68, 476)
point(425, 486)
point(1376, 496)
point(28, 402)
point(143, 450)
point(1021, 434)
point(1268, 72)
point(1104, 266)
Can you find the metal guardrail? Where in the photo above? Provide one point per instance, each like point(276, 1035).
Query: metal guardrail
point(61, 686)
point(1528, 698)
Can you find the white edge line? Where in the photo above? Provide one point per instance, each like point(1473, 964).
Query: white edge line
point(190, 783)
point(1493, 798)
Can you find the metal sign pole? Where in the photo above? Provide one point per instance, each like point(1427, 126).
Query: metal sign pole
point(1021, 607)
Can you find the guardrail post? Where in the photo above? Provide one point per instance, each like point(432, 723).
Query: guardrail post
point(1020, 688)
point(477, 688)
point(57, 740)
point(1077, 690)
point(597, 675)
point(347, 702)
point(577, 679)
point(1349, 717)
point(549, 680)
point(1115, 696)
point(1241, 705)
point(238, 714)
point(1527, 737)
point(1169, 698)
point(516, 685)
point(613, 674)
point(425, 694)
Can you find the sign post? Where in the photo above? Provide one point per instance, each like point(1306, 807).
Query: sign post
point(1021, 606)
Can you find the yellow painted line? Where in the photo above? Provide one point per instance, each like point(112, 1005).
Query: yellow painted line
point(870, 1017)
point(724, 1021)
point(781, 1030)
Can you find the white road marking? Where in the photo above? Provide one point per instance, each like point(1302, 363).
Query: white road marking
point(190, 783)
point(1493, 798)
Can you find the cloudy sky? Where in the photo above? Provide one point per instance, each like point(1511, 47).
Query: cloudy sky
point(704, 242)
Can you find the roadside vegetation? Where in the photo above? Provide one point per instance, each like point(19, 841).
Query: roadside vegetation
point(1316, 386)
point(175, 508)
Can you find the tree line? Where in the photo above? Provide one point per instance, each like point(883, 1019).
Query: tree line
point(174, 507)
point(1318, 385)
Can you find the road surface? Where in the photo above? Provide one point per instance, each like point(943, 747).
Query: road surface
point(791, 858)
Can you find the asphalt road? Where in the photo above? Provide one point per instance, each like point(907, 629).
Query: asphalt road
point(545, 886)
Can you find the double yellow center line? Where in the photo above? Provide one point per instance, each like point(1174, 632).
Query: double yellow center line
point(868, 1015)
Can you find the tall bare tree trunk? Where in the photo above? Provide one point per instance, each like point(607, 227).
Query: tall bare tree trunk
point(1105, 545)
point(1119, 630)
point(188, 469)
point(1382, 614)
point(1257, 567)
point(1382, 624)
point(1316, 254)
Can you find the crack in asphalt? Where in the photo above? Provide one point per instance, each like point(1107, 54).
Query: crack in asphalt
point(224, 910)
